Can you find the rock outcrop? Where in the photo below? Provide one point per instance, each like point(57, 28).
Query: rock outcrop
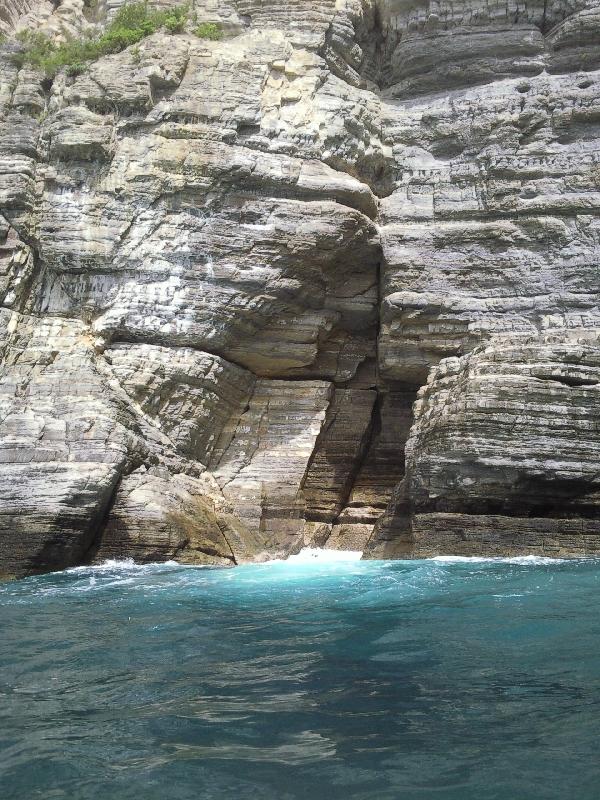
point(502, 457)
point(229, 268)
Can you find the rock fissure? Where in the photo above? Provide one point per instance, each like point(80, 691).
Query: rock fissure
point(365, 446)
point(102, 523)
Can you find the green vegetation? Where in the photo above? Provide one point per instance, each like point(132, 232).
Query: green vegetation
point(209, 30)
point(132, 23)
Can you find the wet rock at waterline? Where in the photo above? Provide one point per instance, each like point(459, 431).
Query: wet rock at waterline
point(228, 269)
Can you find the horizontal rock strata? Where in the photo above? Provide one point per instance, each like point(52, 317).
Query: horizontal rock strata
point(503, 452)
point(158, 516)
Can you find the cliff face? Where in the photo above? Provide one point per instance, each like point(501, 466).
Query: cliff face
point(228, 269)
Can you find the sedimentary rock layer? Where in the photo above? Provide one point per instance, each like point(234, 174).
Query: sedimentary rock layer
point(503, 453)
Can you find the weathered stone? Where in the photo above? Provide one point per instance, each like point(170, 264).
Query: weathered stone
point(488, 535)
point(338, 453)
point(263, 471)
point(64, 442)
point(157, 516)
point(383, 464)
point(196, 399)
point(511, 430)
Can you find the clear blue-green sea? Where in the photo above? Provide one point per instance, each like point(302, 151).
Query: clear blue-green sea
point(320, 680)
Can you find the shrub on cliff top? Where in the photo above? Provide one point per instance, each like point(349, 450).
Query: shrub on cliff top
point(209, 30)
point(132, 23)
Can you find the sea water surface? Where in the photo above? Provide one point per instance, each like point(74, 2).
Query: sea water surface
point(453, 679)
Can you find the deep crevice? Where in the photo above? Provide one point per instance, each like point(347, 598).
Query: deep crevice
point(102, 522)
point(569, 380)
point(369, 438)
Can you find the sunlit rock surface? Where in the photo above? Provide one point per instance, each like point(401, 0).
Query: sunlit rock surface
point(228, 267)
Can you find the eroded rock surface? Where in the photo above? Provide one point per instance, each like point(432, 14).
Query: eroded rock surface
point(228, 267)
point(502, 457)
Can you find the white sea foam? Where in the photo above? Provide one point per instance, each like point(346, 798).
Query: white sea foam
point(309, 555)
point(112, 564)
point(319, 554)
point(498, 559)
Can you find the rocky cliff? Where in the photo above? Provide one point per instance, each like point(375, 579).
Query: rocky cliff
point(331, 279)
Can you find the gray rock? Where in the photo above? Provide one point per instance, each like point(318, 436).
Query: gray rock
point(158, 516)
point(503, 452)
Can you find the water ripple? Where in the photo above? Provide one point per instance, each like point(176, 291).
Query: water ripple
point(453, 678)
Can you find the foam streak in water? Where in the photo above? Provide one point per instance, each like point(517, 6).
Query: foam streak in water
point(309, 555)
point(499, 560)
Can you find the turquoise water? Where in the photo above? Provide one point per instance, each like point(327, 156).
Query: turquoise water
point(372, 680)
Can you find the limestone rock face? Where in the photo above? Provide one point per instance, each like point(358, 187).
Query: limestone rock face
point(65, 439)
point(503, 454)
point(228, 268)
point(158, 516)
point(513, 427)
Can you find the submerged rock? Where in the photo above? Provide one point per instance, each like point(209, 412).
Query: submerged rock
point(228, 267)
